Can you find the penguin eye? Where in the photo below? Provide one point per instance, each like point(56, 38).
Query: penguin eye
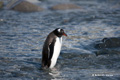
point(58, 30)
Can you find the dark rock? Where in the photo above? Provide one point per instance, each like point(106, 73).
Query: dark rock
point(23, 6)
point(107, 52)
point(1, 4)
point(65, 7)
point(113, 42)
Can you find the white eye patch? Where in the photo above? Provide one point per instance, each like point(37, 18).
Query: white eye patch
point(59, 30)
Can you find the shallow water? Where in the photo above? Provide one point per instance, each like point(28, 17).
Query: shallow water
point(22, 36)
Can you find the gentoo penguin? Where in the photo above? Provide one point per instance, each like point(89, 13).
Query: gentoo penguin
point(52, 47)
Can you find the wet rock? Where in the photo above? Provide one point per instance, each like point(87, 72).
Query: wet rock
point(1, 4)
point(65, 7)
point(107, 52)
point(23, 6)
point(113, 42)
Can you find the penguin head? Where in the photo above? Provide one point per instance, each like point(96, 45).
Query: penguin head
point(59, 32)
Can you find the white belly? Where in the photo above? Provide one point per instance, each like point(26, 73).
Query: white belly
point(56, 52)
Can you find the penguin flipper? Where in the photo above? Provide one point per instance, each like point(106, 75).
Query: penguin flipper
point(47, 50)
point(51, 49)
point(45, 57)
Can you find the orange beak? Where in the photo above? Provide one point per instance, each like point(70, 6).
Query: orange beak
point(64, 34)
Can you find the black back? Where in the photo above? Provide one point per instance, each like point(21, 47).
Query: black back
point(48, 49)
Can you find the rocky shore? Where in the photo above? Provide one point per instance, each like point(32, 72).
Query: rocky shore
point(26, 6)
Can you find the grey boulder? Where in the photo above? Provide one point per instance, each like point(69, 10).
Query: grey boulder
point(65, 7)
point(113, 42)
point(23, 6)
